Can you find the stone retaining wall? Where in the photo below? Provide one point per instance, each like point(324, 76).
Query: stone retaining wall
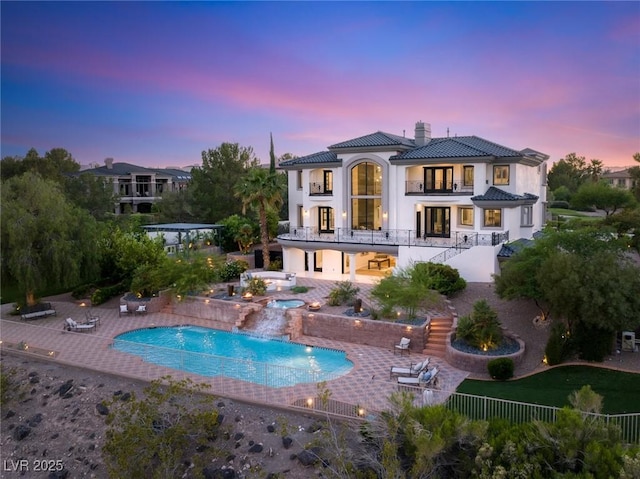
point(477, 363)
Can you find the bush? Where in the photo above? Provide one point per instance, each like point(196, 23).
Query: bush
point(275, 265)
point(232, 270)
point(557, 349)
point(163, 433)
point(103, 295)
point(299, 289)
point(591, 342)
point(344, 293)
point(82, 290)
point(481, 329)
point(501, 368)
point(255, 286)
point(439, 277)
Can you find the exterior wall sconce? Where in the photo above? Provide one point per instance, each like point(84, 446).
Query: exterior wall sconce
point(384, 215)
point(344, 214)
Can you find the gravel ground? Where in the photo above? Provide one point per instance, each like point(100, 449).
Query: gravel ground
point(53, 428)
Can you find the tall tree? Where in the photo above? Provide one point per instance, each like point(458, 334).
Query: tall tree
point(54, 165)
point(603, 197)
point(272, 157)
point(261, 191)
point(91, 193)
point(213, 182)
point(45, 239)
point(584, 276)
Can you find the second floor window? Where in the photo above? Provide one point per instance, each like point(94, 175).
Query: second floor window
point(467, 175)
point(501, 175)
point(438, 179)
point(299, 179)
point(493, 218)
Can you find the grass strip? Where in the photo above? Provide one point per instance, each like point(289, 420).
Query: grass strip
point(620, 390)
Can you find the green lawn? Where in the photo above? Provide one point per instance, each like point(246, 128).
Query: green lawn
point(573, 213)
point(621, 391)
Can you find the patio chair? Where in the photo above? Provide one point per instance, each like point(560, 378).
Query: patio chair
point(124, 309)
point(424, 379)
point(402, 346)
point(71, 325)
point(92, 318)
point(412, 370)
point(141, 309)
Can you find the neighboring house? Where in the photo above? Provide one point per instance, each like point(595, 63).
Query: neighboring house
point(620, 179)
point(379, 201)
point(138, 187)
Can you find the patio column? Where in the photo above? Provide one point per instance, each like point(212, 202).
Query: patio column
point(352, 267)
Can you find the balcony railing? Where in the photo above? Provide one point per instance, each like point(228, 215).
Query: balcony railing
point(319, 189)
point(394, 237)
point(418, 187)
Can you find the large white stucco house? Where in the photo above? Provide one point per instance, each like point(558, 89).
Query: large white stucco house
point(382, 201)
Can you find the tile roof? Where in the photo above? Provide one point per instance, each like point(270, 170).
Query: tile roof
point(378, 138)
point(125, 169)
point(458, 147)
point(320, 157)
point(509, 249)
point(496, 194)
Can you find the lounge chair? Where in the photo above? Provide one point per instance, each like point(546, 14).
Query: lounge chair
point(71, 325)
point(402, 346)
point(424, 379)
point(412, 370)
point(124, 309)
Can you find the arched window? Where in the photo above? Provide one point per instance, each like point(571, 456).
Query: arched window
point(366, 196)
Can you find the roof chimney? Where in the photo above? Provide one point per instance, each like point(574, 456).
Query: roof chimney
point(108, 163)
point(423, 133)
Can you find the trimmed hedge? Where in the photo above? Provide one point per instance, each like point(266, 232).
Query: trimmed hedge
point(501, 369)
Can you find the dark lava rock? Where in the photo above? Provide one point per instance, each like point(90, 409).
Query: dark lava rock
point(212, 472)
point(287, 441)
point(256, 448)
point(63, 474)
point(238, 436)
point(35, 420)
point(309, 457)
point(102, 409)
point(125, 397)
point(65, 388)
point(271, 428)
point(21, 432)
point(10, 413)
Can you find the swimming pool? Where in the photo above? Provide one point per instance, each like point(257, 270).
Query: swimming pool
point(210, 352)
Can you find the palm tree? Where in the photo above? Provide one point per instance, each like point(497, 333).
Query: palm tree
point(261, 190)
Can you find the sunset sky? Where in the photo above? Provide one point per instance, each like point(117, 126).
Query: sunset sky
point(155, 83)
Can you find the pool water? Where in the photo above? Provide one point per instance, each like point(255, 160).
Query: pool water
point(285, 303)
point(210, 352)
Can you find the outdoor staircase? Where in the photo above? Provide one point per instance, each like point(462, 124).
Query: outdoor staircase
point(439, 327)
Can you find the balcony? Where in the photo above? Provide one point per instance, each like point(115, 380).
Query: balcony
point(319, 189)
point(393, 237)
point(451, 188)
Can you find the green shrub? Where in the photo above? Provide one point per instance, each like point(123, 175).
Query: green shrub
point(344, 293)
point(557, 348)
point(255, 286)
point(559, 204)
point(275, 265)
point(592, 343)
point(481, 329)
point(232, 270)
point(501, 368)
point(439, 277)
point(299, 289)
point(103, 295)
point(82, 290)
